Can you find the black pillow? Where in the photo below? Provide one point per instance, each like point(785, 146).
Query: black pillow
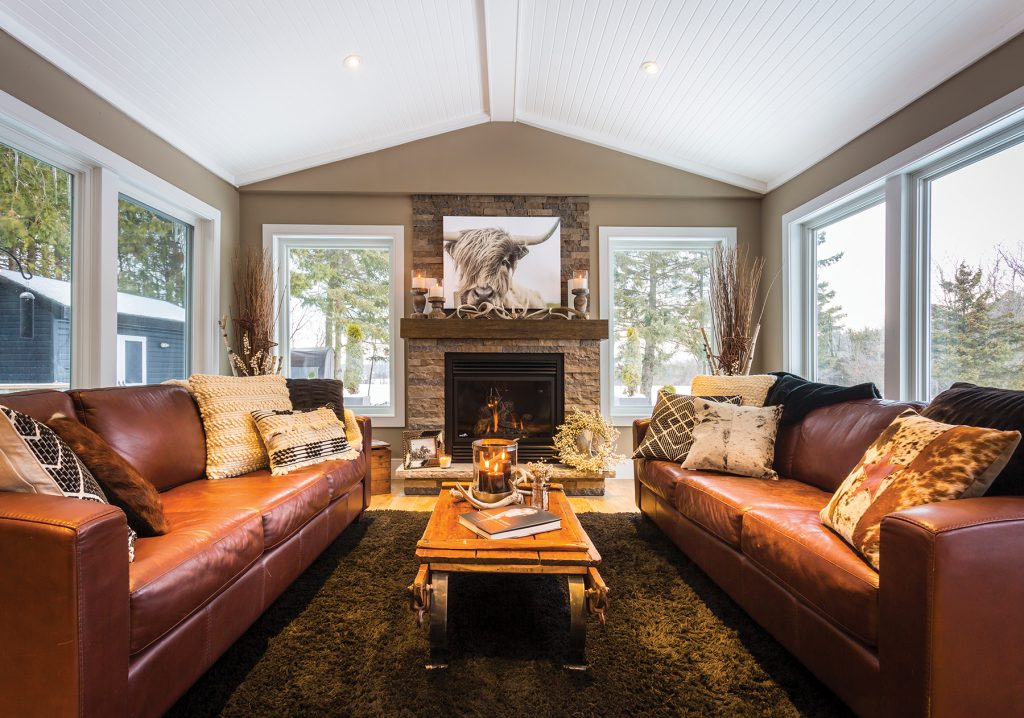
point(800, 397)
point(990, 408)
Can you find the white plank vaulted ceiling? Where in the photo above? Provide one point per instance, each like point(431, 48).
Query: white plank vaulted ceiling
point(749, 92)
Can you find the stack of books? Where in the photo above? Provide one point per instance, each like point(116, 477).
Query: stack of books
point(510, 522)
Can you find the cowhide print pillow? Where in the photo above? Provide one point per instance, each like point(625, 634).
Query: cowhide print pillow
point(734, 439)
point(915, 461)
point(670, 434)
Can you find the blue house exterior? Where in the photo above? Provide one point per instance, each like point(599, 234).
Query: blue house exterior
point(152, 340)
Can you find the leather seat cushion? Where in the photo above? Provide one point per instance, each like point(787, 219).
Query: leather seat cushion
point(286, 503)
point(662, 476)
point(343, 475)
point(817, 566)
point(175, 574)
point(718, 502)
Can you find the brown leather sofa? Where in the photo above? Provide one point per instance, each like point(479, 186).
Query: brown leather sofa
point(85, 633)
point(935, 632)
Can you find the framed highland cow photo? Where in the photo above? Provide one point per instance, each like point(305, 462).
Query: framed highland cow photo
point(421, 448)
point(510, 262)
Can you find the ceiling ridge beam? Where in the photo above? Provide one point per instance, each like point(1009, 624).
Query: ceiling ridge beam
point(500, 56)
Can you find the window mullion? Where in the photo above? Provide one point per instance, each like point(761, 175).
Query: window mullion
point(94, 275)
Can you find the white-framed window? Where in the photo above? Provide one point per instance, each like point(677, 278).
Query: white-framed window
point(75, 308)
point(339, 290)
point(938, 252)
point(131, 360)
point(654, 293)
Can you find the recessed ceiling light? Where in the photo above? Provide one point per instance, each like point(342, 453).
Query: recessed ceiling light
point(353, 61)
point(650, 67)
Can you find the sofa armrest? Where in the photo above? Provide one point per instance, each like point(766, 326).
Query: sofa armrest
point(366, 426)
point(640, 427)
point(63, 607)
point(951, 584)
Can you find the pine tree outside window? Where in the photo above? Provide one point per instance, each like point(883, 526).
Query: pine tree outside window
point(654, 293)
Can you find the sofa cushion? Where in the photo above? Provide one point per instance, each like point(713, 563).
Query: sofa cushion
point(343, 475)
point(285, 503)
point(40, 404)
point(155, 428)
point(822, 449)
point(815, 565)
point(173, 575)
point(662, 477)
point(717, 503)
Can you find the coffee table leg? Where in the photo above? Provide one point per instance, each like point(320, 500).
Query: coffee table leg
point(577, 625)
point(438, 620)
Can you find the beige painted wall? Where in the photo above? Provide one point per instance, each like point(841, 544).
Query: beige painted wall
point(498, 158)
point(36, 82)
point(987, 80)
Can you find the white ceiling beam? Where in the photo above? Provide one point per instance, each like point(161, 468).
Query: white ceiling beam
point(501, 25)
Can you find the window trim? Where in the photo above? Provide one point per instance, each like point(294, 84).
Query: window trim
point(902, 179)
point(609, 238)
point(99, 176)
point(277, 237)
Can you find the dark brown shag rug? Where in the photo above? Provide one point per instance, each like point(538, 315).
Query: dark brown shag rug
point(342, 642)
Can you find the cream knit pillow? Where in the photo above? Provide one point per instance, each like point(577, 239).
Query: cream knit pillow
point(233, 446)
point(752, 388)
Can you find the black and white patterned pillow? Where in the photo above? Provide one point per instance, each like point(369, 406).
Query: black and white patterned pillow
point(670, 434)
point(65, 469)
point(302, 437)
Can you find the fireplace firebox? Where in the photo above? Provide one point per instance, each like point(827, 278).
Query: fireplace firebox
point(503, 396)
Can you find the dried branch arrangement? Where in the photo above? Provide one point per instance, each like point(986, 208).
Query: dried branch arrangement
point(735, 280)
point(255, 316)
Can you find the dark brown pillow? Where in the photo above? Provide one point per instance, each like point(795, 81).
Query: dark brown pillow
point(123, 484)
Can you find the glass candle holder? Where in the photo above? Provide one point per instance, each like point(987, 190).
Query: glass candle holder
point(444, 461)
point(493, 462)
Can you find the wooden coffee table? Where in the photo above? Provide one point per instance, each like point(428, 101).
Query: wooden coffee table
point(448, 547)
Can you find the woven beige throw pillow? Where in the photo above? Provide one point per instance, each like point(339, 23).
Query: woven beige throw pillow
point(753, 388)
point(233, 446)
point(352, 431)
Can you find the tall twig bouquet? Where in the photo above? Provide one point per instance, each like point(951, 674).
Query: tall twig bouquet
point(735, 280)
point(255, 316)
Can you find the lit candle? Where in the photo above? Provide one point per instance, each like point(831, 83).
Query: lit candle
point(580, 280)
point(418, 280)
point(436, 291)
point(444, 460)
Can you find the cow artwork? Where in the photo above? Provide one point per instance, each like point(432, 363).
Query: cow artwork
point(509, 262)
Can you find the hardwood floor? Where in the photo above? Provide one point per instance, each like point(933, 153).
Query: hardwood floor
point(618, 496)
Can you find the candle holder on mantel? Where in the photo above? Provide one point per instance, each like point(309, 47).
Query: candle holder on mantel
point(494, 461)
point(436, 298)
point(580, 289)
point(419, 293)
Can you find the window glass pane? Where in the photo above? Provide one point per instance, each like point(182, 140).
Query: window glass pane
point(153, 253)
point(851, 298)
point(340, 319)
point(35, 314)
point(977, 273)
point(660, 299)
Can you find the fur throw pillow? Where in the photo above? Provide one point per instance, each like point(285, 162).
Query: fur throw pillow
point(123, 485)
point(915, 461)
point(734, 439)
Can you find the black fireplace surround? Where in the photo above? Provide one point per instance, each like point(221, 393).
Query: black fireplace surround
point(507, 396)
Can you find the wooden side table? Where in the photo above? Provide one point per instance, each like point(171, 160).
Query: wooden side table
point(380, 467)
